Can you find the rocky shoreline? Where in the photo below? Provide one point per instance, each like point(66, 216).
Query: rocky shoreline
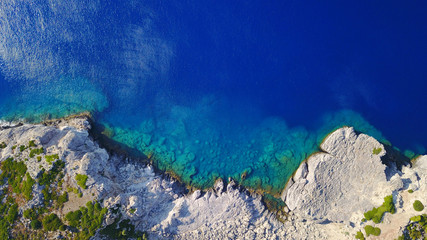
point(326, 198)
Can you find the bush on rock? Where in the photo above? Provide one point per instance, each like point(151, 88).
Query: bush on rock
point(418, 206)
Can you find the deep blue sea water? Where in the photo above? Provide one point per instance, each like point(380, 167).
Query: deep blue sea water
point(217, 88)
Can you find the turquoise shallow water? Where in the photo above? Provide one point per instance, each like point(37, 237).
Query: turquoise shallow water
point(219, 89)
point(261, 155)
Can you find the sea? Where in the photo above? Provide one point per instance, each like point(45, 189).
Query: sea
point(242, 90)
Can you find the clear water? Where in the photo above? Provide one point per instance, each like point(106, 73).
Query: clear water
point(218, 88)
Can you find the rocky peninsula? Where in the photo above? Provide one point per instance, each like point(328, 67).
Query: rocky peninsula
point(57, 182)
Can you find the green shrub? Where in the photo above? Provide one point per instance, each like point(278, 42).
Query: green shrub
point(376, 151)
point(359, 235)
point(418, 218)
point(48, 195)
point(81, 180)
point(410, 191)
point(30, 214)
point(87, 220)
point(8, 215)
point(36, 224)
point(51, 222)
point(3, 145)
point(416, 229)
point(12, 214)
point(418, 206)
point(36, 151)
point(14, 172)
point(73, 218)
point(132, 210)
point(49, 177)
point(376, 214)
point(39, 158)
point(22, 148)
point(122, 229)
point(62, 199)
point(27, 187)
point(51, 158)
point(372, 230)
point(31, 144)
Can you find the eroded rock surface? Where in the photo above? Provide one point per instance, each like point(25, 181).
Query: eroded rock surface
point(345, 179)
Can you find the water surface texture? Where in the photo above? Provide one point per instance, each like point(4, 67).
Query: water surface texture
point(212, 89)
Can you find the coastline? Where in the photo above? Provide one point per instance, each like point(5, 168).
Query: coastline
point(177, 211)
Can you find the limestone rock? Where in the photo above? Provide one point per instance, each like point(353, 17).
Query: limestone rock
point(347, 178)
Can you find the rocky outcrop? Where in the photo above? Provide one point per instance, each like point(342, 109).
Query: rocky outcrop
point(344, 180)
point(348, 178)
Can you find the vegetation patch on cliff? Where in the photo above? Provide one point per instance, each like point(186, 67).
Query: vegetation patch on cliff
point(418, 205)
point(416, 229)
point(81, 180)
point(376, 214)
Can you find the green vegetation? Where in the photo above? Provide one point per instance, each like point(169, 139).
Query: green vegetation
point(51, 158)
point(12, 213)
point(51, 195)
point(87, 220)
point(122, 229)
point(410, 191)
point(8, 215)
point(61, 200)
point(376, 214)
point(376, 151)
point(27, 187)
point(81, 180)
point(22, 148)
point(49, 177)
point(418, 206)
point(83, 223)
point(32, 215)
point(36, 224)
point(359, 235)
point(36, 151)
point(372, 230)
point(52, 222)
point(19, 189)
point(73, 190)
point(14, 147)
point(416, 229)
point(31, 144)
point(14, 172)
point(3, 145)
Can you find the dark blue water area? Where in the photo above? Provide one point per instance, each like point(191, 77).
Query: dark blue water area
point(298, 60)
point(217, 88)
